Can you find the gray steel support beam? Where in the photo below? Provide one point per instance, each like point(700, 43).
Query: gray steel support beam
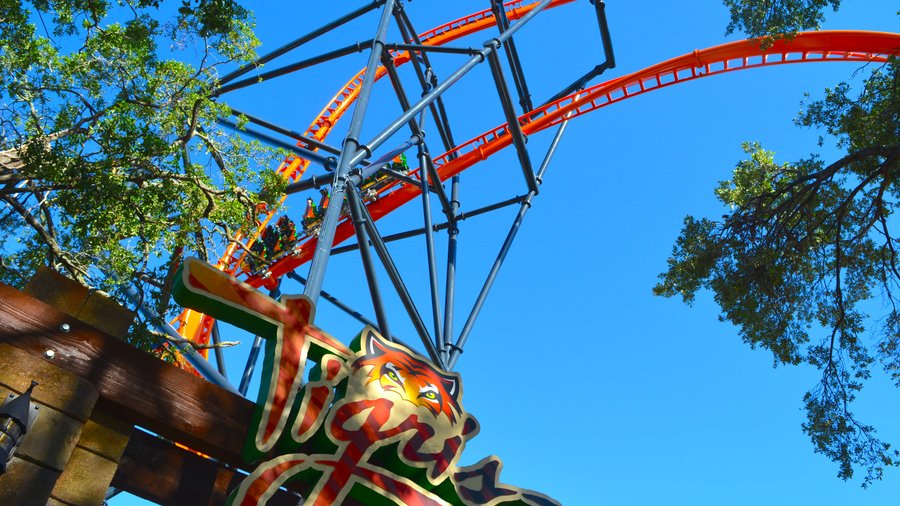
point(189, 352)
point(427, 80)
point(310, 142)
point(452, 247)
point(397, 280)
point(415, 48)
point(406, 179)
point(438, 90)
point(608, 55)
point(432, 261)
point(356, 315)
point(512, 55)
point(512, 122)
point(328, 162)
point(356, 47)
point(251, 365)
point(351, 154)
point(301, 40)
point(254, 354)
point(365, 172)
point(504, 250)
point(359, 225)
point(220, 357)
point(428, 165)
point(441, 226)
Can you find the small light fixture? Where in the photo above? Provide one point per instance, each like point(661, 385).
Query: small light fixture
point(17, 415)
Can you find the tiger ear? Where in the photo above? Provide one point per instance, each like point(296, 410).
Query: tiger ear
point(451, 385)
point(375, 344)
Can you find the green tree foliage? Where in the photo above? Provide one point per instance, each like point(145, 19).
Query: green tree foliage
point(807, 249)
point(111, 163)
point(776, 18)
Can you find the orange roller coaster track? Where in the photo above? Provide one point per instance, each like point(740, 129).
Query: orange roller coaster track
point(196, 326)
point(846, 46)
point(825, 46)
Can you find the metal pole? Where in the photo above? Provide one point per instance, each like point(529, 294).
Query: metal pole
point(368, 170)
point(609, 55)
point(254, 354)
point(440, 116)
point(325, 161)
point(432, 261)
point(217, 342)
point(450, 286)
point(251, 365)
point(504, 250)
point(437, 107)
point(399, 286)
point(434, 49)
point(300, 41)
point(356, 47)
point(426, 166)
point(190, 354)
point(512, 55)
point(310, 142)
point(350, 156)
point(440, 226)
point(512, 122)
point(406, 179)
point(371, 277)
point(489, 47)
point(345, 308)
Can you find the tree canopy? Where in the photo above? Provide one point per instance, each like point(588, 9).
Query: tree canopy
point(111, 162)
point(806, 249)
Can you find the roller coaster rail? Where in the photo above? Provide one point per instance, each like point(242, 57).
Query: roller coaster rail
point(348, 168)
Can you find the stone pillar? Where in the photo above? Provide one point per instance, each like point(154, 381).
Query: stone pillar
point(66, 401)
point(92, 461)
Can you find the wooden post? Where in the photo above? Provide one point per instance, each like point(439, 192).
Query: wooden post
point(137, 389)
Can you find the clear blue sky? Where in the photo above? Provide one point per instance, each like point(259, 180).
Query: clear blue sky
point(589, 388)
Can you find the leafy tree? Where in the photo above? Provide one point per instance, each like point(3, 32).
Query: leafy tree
point(111, 164)
point(777, 18)
point(805, 247)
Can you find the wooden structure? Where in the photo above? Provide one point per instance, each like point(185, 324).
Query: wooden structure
point(44, 341)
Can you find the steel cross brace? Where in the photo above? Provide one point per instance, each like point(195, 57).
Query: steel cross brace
point(512, 55)
point(301, 40)
point(353, 152)
point(457, 348)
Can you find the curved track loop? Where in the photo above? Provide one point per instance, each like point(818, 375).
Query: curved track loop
point(804, 48)
point(293, 167)
point(846, 46)
point(196, 326)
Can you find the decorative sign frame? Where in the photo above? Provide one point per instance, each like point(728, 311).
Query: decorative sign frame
point(375, 421)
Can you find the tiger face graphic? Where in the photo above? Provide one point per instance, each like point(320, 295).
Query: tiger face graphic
point(402, 376)
point(363, 406)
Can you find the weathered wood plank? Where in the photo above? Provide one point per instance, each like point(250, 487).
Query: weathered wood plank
point(160, 472)
point(133, 385)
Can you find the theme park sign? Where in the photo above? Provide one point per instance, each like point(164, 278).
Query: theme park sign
point(375, 422)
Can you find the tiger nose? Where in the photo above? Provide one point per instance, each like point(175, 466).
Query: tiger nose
point(412, 393)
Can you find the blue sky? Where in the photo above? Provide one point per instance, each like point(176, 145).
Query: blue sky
point(589, 388)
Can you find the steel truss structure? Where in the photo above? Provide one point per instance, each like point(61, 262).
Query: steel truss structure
point(346, 169)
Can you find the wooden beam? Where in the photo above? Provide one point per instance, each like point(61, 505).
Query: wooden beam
point(159, 471)
point(133, 385)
